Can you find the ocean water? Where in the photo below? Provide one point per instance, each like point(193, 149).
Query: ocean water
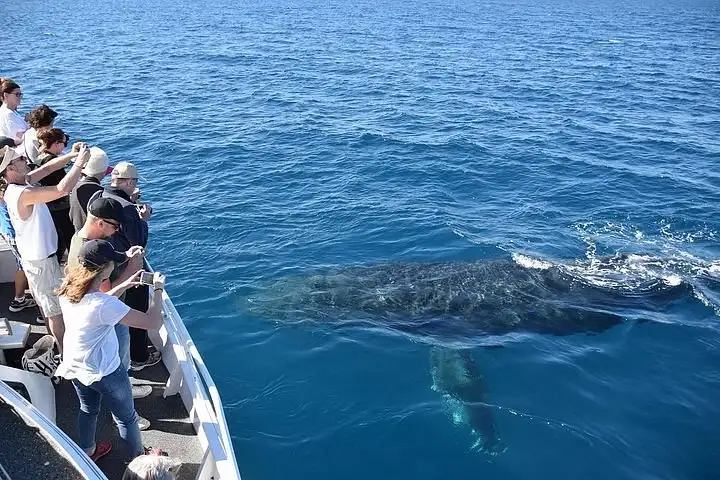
point(280, 139)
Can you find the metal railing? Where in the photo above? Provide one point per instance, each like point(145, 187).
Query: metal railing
point(176, 328)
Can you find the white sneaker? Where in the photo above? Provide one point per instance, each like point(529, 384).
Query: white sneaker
point(141, 391)
point(143, 423)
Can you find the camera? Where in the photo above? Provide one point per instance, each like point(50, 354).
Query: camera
point(146, 278)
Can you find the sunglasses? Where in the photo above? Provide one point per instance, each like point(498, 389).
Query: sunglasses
point(115, 225)
point(17, 94)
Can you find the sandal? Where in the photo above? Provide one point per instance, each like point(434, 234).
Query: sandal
point(102, 448)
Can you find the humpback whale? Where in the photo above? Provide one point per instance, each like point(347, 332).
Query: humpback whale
point(455, 306)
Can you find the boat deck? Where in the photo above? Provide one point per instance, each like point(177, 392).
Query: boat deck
point(170, 429)
point(30, 455)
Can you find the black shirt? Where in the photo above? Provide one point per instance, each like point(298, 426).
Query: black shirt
point(52, 180)
point(79, 198)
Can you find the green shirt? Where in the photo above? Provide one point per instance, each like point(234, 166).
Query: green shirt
point(75, 243)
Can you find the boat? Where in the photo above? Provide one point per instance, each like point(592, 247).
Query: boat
point(185, 410)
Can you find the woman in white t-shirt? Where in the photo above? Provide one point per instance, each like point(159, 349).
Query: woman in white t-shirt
point(90, 346)
point(12, 124)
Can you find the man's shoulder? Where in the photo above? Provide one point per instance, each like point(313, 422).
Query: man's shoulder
point(15, 189)
point(87, 186)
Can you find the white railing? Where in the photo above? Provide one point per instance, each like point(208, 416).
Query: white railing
point(190, 378)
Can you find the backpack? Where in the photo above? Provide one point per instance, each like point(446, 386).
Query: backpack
point(42, 359)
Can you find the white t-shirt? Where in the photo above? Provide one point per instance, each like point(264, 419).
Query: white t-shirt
point(30, 146)
point(36, 237)
point(90, 346)
point(11, 123)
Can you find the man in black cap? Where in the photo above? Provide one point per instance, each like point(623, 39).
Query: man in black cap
point(105, 215)
point(134, 231)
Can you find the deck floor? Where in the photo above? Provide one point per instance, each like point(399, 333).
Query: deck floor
point(170, 430)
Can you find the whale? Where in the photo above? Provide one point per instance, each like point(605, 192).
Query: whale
point(456, 306)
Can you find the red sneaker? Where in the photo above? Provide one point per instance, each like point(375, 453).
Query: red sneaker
point(102, 448)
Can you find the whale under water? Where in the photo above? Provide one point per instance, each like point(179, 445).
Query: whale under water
point(456, 306)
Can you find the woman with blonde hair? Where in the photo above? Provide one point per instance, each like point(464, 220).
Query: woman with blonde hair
point(90, 355)
point(152, 467)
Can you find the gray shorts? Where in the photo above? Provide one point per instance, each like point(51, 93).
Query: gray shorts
point(44, 276)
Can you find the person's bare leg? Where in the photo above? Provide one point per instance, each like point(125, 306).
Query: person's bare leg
point(21, 284)
point(56, 325)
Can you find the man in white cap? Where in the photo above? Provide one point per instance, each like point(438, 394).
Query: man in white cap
point(36, 237)
point(133, 232)
point(96, 169)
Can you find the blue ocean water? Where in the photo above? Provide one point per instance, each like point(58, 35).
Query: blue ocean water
point(285, 138)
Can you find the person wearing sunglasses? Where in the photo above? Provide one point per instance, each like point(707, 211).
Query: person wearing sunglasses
point(105, 215)
point(52, 143)
point(34, 229)
point(123, 188)
point(12, 124)
point(91, 361)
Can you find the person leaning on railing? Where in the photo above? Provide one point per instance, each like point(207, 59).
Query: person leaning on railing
point(90, 359)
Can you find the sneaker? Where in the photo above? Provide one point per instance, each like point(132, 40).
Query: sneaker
point(141, 391)
point(102, 448)
point(155, 451)
point(143, 423)
point(153, 359)
point(20, 305)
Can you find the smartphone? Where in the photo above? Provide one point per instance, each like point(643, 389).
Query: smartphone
point(146, 278)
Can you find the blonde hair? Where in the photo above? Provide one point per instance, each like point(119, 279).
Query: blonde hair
point(152, 467)
point(79, 280)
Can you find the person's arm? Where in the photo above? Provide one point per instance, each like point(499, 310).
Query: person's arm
point(32, 195)
point(50, 167)
point(132, 267)
point(152, 320)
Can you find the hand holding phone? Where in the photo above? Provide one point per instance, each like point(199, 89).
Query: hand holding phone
point(146, 278)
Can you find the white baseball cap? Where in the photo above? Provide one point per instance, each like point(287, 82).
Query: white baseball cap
point(98, 163)
point(125, 170)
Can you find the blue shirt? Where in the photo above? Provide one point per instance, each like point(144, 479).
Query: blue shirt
point(6, 227)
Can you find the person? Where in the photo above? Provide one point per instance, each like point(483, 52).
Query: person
point(41, 118)
point(97, 168)
point(35, 232)
point(12, 124)
point(152, 467)
point(22, 300)
point(134, 231)
point(52, 142)
point(104, 218)
point(90, 359)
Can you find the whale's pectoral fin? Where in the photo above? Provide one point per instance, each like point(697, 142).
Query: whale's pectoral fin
point(457, 377)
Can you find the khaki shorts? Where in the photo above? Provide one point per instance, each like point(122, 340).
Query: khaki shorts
point(44, 276)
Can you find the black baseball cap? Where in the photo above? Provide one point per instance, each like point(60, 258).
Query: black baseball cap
point(98, 253)
point(107, 209)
